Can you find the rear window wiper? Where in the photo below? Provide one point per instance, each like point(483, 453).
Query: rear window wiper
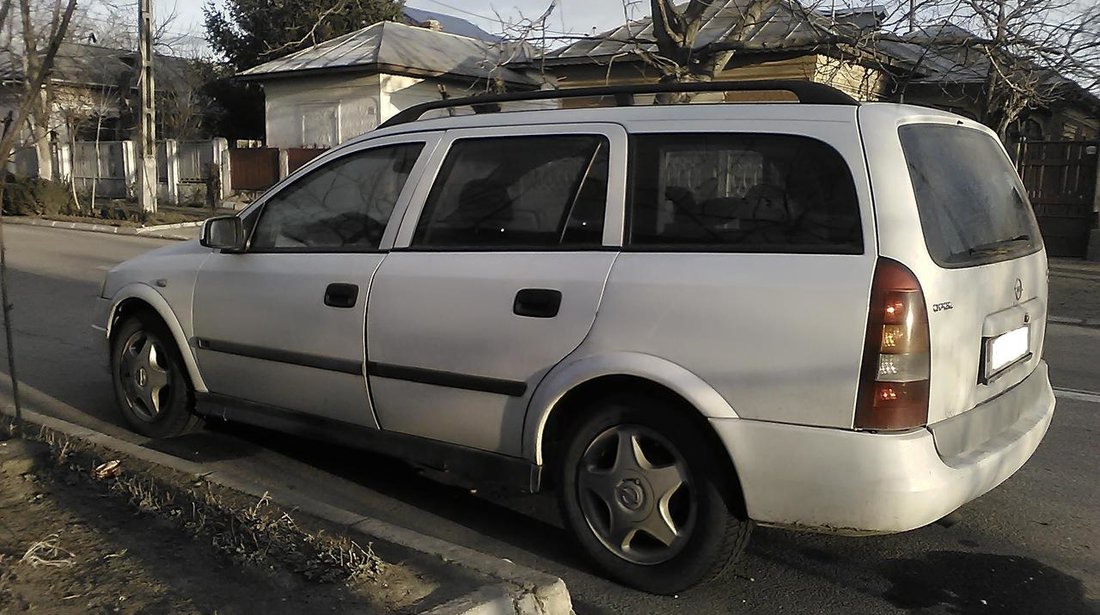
point(1003, 245)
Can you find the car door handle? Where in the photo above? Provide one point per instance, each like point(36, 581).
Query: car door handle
point(341, 295)
point(537, 302)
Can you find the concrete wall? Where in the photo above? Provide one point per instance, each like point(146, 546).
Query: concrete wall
point(861, 82)
point(400, 93)
point(320, 111)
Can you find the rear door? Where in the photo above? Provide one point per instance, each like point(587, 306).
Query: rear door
point(495, 277)
point(980, 260)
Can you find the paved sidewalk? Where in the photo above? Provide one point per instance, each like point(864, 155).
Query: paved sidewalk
point(181, 231)
point(1074, 292)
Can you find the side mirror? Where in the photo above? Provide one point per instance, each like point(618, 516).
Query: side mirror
point(223, 233)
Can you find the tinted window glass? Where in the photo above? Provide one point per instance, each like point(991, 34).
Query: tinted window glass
point(343, 205)
point(522, 192)
point(742, 192)
point(973, 207)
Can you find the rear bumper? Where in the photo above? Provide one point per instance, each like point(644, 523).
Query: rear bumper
point(843, 481)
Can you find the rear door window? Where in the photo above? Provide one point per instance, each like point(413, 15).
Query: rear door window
point(973, 206)
point(736, 192)
point(533, 192)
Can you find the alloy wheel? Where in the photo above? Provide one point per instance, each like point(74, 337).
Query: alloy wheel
point(635, 493)
point(144, 372)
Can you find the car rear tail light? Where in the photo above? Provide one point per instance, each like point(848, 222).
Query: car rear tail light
point(893, 386)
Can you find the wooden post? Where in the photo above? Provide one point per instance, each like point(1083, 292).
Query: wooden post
point(147, 139)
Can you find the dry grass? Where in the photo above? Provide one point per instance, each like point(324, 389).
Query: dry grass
point(48, 552)
point(5, 581)
point(254, 531)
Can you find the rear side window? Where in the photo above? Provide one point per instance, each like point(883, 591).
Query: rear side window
point(734, 192)
point(518, 192)
point(973, 207)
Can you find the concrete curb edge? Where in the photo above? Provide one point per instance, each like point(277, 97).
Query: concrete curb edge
point(518, 590)
point(162, 231)
point(1076, 322)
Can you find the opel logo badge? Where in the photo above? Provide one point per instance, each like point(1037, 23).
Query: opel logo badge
point(1019, 289)
point(630, 494)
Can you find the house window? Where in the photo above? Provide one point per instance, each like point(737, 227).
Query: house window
point(320, 125)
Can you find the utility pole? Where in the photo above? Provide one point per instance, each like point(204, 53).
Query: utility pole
point(147, 140)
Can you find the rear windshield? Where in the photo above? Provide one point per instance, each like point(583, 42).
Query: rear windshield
point(972, 205)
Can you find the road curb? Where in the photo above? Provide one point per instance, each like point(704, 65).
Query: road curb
point(1076, 322)
point(515, 590)
point(160, 231)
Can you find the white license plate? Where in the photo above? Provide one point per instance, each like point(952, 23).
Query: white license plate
point(1007, 348)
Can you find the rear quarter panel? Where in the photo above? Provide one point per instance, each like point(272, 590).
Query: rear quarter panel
point(778, 336)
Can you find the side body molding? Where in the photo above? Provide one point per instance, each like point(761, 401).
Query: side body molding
point(149, 295)
point(576, 371)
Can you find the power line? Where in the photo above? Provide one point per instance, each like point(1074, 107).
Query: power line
point(463, 11)
point(496, 20)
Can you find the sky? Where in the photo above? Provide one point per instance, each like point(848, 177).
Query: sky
point(569, 16)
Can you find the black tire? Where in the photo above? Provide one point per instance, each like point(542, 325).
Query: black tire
point(705, 542)
point(158, 412)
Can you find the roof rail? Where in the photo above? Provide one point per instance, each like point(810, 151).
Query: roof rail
point(807, 92)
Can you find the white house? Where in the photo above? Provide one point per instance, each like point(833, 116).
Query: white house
point(341, 88)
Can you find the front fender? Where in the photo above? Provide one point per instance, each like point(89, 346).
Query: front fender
point(149, 295)
point(570, 374)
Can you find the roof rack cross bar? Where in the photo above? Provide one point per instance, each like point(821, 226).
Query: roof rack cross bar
point(807, 92)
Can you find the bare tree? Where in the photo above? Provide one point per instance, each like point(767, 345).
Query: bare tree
point(696, 40)
point(1008, 56)
point(86, 110)
point(1014, 56)
point(113, 24)
point(39, 50)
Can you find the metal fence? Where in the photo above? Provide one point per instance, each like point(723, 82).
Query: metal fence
point(195, 158)
point(1060, 177)
point(102, 165)
point(253, 168)
point(298, 157)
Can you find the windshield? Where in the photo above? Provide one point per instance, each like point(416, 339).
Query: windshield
point(972, 205)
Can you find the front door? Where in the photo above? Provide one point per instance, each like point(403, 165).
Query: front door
point(495, 277)
point(282, 325)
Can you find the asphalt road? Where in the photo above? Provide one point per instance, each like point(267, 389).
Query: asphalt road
point(1030, 546)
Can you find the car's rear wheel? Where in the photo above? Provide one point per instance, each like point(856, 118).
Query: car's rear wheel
point(151, 385)
point(642, 490)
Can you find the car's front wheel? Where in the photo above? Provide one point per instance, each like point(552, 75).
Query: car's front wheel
point(643, 493)
point(151, 385)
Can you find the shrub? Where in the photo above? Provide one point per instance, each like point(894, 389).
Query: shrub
point(32, 196)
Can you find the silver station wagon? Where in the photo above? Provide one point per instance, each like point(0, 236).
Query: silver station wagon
point(683, 319)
